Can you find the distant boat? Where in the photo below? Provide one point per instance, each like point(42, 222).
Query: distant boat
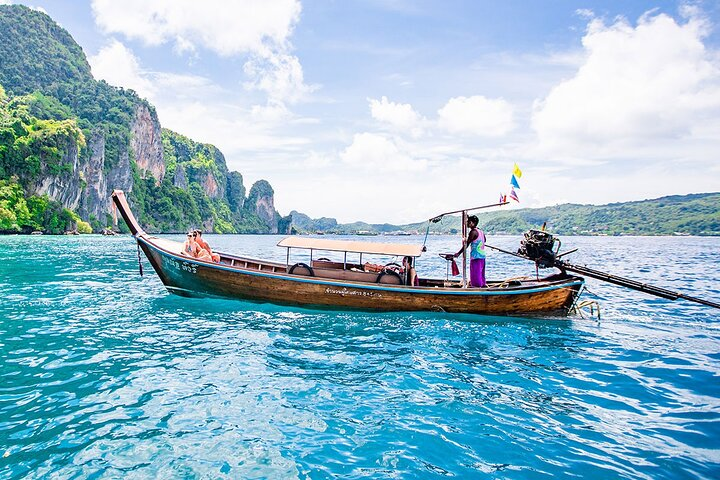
point(343, 285)
point(365, 233)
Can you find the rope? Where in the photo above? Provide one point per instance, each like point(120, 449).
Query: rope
point(140, 261)
point(505, 283)
point(592, 304)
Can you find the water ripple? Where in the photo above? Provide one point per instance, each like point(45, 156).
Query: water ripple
point(106, 375)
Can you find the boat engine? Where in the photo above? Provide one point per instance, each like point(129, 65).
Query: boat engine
point(539, 246)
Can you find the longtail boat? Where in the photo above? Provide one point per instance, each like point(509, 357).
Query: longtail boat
point(343, 285)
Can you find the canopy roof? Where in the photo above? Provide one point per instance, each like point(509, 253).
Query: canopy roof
point(399, 249)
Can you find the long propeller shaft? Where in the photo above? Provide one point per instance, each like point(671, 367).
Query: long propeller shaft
point(621, 281)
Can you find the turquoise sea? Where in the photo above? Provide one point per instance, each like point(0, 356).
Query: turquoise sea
point(106, 375)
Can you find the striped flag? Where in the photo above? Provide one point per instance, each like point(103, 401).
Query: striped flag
point(513, 195)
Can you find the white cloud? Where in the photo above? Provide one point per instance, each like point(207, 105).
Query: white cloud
point(183, 99)
point(272, 112)
point(315, 160)
point(399, 115)
point(379, 153)
point(477, 115)
point(585, 13)
point(258, 29)
point(118, 66)
point(227, 28)
point(278, 75)
point(654, 81)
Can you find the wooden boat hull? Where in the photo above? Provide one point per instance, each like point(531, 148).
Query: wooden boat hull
point(189, 277)
point(261, 281)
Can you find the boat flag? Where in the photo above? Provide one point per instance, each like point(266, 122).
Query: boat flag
point(514, 182)
point(503, 198)
point(513, 195)
point(517, 172)
point(454, 267)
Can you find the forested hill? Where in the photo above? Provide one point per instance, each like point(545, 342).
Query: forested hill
point(67, 140)
point(696, 214)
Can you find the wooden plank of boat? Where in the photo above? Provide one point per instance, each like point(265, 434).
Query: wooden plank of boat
point(263, 281)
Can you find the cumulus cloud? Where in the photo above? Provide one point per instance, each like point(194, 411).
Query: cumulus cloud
point(398, 115)
point(655, 80)
point(477, 115)
point(118, 66)
point(280, 76)
point(227, 28)
point(258, 29)
point(377, 152)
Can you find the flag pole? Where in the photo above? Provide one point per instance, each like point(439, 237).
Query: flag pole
point(465, 210)
point(464, 250)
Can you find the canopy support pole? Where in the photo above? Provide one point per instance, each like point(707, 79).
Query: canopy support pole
point(464, 250)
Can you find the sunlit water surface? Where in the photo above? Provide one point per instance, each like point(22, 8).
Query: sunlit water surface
point(104, 374)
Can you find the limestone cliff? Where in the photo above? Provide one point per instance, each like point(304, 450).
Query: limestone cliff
point(261, 202)
point(173, 182)
point(62, 183)
point(146, 143)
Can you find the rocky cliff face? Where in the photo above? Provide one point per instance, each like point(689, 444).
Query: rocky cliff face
point(146, 143)
point(86, 186)
point(94, 199)
point(65, 185)
point(125, 146)
point(261, 202)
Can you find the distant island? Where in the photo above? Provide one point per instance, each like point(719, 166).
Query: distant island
point(695, 214)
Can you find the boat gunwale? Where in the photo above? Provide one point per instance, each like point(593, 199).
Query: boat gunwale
point(571, 281)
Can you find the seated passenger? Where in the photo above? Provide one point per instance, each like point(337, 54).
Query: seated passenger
point(189, 246)
point(410, 273)
point(204, 245)
point(193, 250)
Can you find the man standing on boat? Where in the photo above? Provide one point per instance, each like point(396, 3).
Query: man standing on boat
point(476, 241)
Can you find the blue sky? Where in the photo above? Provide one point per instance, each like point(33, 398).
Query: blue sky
point(397, 110)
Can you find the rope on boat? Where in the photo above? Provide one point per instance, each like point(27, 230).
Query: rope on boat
point(140, 261)
point(578, 305)
point(506, 283)
point(591, 304)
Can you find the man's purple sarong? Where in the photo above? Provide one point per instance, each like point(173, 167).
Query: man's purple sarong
point(477, 272)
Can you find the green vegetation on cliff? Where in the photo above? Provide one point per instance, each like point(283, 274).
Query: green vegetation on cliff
point(59, 122)
point(31, 148)
point(19, 214)
point(41, 58)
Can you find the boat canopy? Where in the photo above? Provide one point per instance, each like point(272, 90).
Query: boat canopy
point(395, 249)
